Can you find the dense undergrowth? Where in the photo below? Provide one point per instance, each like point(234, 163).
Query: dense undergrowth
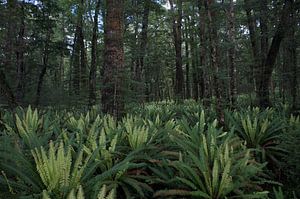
point(157, 151)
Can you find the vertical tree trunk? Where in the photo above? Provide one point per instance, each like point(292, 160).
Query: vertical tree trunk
point(92, 77)
point(213, 37)
point(79, 54)
point(11, 34)
point(6, 91)
point(112, 91)
point(177, 25)
point(20, 59)
point(187, 64)
point(204, 93)
point(289, 70)
point(255, 72)
point(195, 71)
point(143, 46)
point(232, 66)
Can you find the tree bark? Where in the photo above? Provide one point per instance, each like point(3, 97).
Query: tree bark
point(143, 47)
point(112, 91)
point(177, 32)
point(214, 50)
point(6, 91)
point(255, 68)
point(187, 64)
point(44, 69)
point(232, 66)
point(283, 26)
point(204, 92)
point(20, 59)
point(93, 70)
point(79, 54)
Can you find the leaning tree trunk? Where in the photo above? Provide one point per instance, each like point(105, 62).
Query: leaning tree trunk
point(92, 77)
point(112, 91)
point(44, 68)
point(264, 84)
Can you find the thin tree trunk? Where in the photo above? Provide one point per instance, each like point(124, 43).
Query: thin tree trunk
point(11, 34)
point(177, 32)
point(232, 66)
point(204, 93)
point(44, 69)
point(213, 37)
point(255, 72)
point(92, 77)
point(79, 55)
point(187, 65)
point(20, 60)
point(112, 91)
point(143, 46)
point(290, 70)
point(195, 71)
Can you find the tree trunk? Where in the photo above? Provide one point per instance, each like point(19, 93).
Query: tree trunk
point(232, 66)
point(93, 70)
point(6, 91)
point(79, 55)
point(20, 59)
point(214, 50)
point(187, 65)
point(204, 93)
point(255, 72)
point(143, 46)
point(283, 26)
point(112, 91)
point(44, 69)
point(11, 34)
point(177, 25)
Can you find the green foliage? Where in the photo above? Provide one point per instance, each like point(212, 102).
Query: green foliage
point(56, 170)
point(214, 164)
point(261, 131)
point(157, 152)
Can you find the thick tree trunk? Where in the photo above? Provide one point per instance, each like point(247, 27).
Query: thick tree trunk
point(283, 26)
point(93, 70)
point(177, 32)
point(112, 91)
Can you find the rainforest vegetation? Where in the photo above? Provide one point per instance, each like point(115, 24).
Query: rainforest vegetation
point(133, 99)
